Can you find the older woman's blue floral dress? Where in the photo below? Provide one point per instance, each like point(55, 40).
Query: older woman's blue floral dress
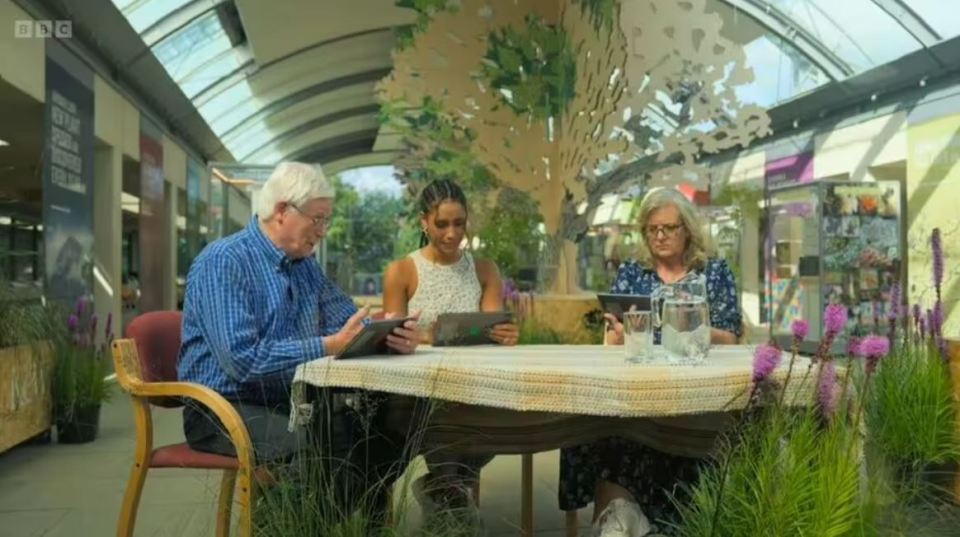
point(650, 475)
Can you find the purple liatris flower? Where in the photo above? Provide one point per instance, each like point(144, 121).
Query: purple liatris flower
point(936, 324)
point(828, 394)
point(72, 321)
point(894, 312)
point(108, 330)
point(853, 346)
point(835, 319)
point(766, 358)
point(936, 248)
point(800, 329)
point(80, 307)
point(873, 348)
point(93, 326)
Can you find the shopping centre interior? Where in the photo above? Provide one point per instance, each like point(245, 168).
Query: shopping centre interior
point(819, 142)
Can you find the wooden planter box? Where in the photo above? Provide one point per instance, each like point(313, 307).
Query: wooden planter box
point(953, 347)
point(25, 403)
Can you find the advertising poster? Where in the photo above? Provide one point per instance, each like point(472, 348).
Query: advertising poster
point(68, 185)
point(152, 234)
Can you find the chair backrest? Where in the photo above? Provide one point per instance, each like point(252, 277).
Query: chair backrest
point(157, 334)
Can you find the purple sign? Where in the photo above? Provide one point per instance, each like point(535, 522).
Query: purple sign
point(789, 171)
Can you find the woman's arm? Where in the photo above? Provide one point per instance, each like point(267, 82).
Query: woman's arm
point(491, 299)
point(396, 292)
point(491, 285)
point(395, 289)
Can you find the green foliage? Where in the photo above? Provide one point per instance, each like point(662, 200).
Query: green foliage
point(425, 10)
point(533, 332)
point(910, 412)
point(536, 68)
point(509, 234)
point(782, 475)
point(81, 362)
point(364, 228)
point(22, 320)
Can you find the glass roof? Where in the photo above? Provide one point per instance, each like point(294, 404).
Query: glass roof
point(846, 37)
point(860, 32)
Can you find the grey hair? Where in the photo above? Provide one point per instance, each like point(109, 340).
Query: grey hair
point(292, 182)
point(697, 250)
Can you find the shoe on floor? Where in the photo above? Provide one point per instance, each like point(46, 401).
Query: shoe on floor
point(622, 518)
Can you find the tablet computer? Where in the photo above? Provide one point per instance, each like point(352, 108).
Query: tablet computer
point(372, 339)
point(617, 304)
point(467, 328)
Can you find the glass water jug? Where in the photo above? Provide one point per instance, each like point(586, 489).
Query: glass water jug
point(681, 312)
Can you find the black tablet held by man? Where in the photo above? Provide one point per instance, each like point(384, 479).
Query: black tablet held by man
point(372, 339)
point(453, 329)
point(617, 304)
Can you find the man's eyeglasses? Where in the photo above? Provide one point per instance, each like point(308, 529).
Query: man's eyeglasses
point(668, 230)
point(319, 222)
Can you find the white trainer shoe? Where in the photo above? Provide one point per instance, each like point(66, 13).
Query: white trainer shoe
point(622, 518)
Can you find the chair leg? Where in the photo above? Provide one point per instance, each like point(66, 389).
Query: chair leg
point(245, 499)
point(225, 502)
point(476, 491)
point(526, 495)
point(131, 499)
point(570, 522)
point(138, 472)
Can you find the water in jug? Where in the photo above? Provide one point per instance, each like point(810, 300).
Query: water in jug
point(683, 316)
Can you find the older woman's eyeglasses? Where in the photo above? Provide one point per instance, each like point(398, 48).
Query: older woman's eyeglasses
point(319, 222)
point(668, 230)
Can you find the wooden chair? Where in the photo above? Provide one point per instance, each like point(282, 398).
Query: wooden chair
point(146, 367)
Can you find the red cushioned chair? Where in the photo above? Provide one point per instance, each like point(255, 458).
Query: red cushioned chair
point(146, 366)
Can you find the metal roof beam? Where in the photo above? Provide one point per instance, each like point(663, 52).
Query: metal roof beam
point(370, 110)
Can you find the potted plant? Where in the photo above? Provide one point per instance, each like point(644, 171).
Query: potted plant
point(25, 367)
point(79, 379)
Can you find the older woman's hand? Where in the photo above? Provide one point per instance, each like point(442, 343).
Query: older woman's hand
point(614, 334)
point(505, 334)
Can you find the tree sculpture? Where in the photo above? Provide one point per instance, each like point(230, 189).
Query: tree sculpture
point(536, 92)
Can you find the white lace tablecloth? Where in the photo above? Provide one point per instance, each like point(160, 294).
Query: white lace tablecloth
point(567, 379)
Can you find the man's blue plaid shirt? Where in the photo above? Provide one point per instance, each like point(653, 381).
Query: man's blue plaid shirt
point(251, 315)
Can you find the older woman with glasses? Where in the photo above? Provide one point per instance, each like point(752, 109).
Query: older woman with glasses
point(627, 481)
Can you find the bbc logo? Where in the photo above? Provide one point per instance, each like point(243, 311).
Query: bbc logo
point(43, 29)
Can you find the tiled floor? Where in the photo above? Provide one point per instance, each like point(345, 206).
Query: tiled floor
point(75, 490)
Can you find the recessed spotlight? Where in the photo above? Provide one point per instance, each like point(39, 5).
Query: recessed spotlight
point(873, 98)
point(4, 143)
point(796, 123)
point(923, 82)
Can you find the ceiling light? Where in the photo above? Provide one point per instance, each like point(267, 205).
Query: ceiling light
point(4, 143)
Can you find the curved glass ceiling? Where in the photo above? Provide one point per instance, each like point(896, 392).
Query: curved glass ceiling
point(793, 47)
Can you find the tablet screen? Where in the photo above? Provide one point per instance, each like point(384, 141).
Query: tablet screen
point(617, 304)
point(467, 328)
point(372, 339)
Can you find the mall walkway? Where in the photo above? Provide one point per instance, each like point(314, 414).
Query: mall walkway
point(75, 491)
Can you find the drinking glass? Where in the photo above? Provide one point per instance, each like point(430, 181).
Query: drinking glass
point(638, 336)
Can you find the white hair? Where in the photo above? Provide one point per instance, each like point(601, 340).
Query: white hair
point(292, 182)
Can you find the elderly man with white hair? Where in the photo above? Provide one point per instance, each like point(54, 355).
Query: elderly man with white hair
point(257, 305)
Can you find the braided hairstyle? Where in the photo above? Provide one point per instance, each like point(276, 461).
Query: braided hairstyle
point(433, 195)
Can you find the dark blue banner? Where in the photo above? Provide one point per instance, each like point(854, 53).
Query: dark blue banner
point(68, 186)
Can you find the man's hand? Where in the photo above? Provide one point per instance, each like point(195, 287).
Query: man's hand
point(404, 339)
point(337, 342)
point(505, 334)
point(614, 330)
